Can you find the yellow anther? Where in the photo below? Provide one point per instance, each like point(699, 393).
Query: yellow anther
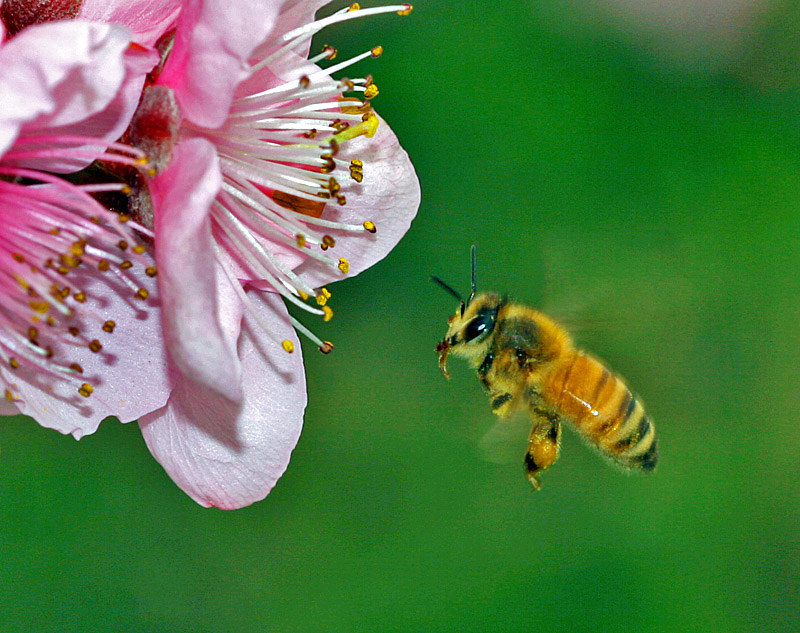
point(109, 326)
point(95, 220)
point(354, 7)
point(328, 313)
point(287, 346)
point(13, 362)
point(126, 264)
point(301, 240)
point(122, 244)
point(377, 51)
point(142, 294)
point(124, 217)
point(95, 346)
point(330, 51)
point(151, 172)
point(312, 133)
point(303, 295)
point(328, 241)
point(322, 296)
point(78, 248)
point(54, 231)
point(103, 265)
point(80, 297)
point(369, 225)
point(142, 162)
point(409, 8)
point(39, 306)
point(151, 271)
point(341, 199)
point(326, 347)
point(139, 249)
point(367, 127)
point(76, 368)
point(126, 190)
point(9, 395)
point(62, 270)
point(344, 265)
point(371, 92)
point(86, 390)
point(33, 333)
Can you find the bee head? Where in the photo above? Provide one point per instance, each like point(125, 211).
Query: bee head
point(471, 326)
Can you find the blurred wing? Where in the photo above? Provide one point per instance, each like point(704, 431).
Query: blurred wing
point(505, 441)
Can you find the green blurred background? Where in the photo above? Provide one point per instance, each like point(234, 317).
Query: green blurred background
point(638, 175)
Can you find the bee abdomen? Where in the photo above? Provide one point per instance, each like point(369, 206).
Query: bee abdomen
point(605, 411)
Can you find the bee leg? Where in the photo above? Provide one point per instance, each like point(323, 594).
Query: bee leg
point(543, 444)
point(501, 403)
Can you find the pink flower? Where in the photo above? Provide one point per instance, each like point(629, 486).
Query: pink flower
point(78, 339)
point(275, 179)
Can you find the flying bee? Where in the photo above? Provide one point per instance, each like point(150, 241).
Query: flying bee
point(525, 359)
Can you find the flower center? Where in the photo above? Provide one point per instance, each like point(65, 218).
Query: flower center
point(279, 157)
point(54, 238)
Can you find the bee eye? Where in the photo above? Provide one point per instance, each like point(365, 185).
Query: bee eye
point(481, 325)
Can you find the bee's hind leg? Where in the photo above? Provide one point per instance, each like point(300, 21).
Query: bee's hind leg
point(544, 443)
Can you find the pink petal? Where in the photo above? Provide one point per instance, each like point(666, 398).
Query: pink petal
point(59, 73)
point(212, 45)
point(389, 196)
point(129, 375)
point(227, 455)
point(109, 123)
point(188, 273)
point(8, 408)
point(293, 14)
point(147, 19)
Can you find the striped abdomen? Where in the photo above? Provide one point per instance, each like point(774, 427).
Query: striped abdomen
point(604, 410)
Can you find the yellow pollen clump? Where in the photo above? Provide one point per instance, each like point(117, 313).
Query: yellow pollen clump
point(151, 271)
point(367, 127)
point(287, 346)
point(13, 362)
point(377, 51)
point(341, 199)
point(328, 313)
point(109, 326)
point(124, 218)
point(356, 170)
point(103, 265)
point(39, 306)
point(80, 297)
point(327, 242)
point(369, 225)
point(123, 245)
point(78, 248)
point(409, 8)
point(62, 270)
point(302, 295)
point(139, 249)
point(33, 333)
point(86, 390)
point(344, 265)
point(323, 296)
point(9, 395)
point(326, 347)
point(142, 294)
point(126, 190)
point(371, 92)
point(95, 346)
point(126, 264)
point(301, 240)
point(354, 7)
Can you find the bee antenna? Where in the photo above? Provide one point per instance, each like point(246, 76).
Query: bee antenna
point(474, 254)
point(449, 289)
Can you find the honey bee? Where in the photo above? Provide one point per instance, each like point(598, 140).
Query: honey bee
point(525, 359)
